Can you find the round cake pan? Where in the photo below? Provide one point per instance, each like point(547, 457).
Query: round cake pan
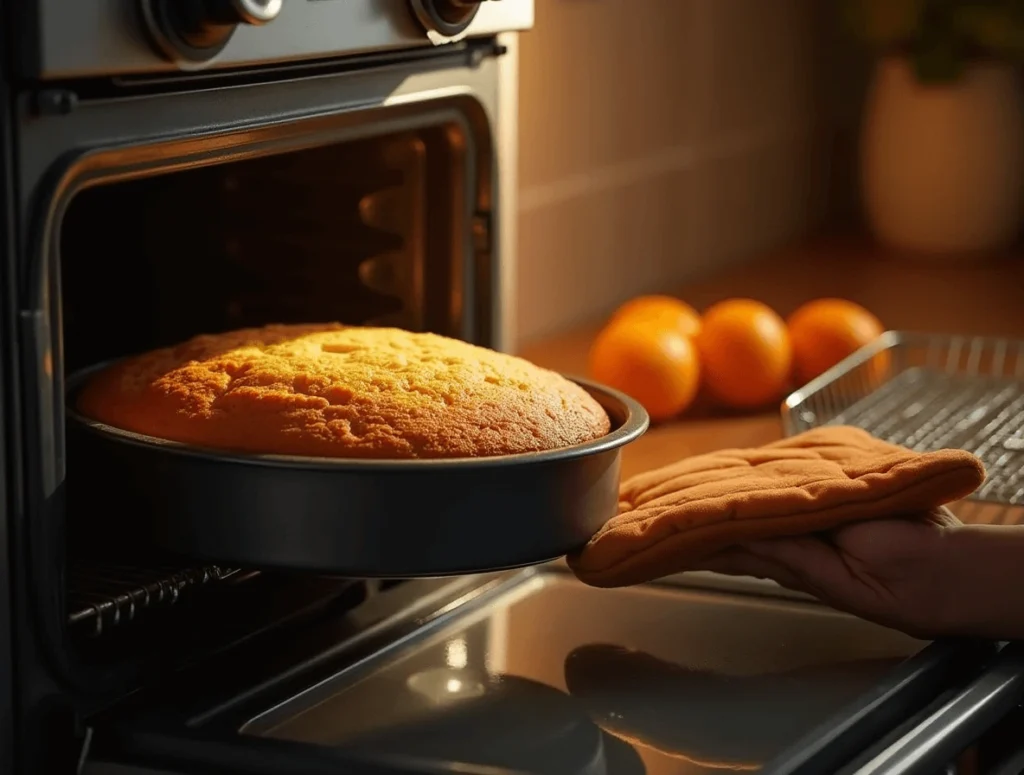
point(344, 517)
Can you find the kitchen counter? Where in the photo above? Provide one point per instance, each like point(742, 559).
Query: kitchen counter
point(979, 299)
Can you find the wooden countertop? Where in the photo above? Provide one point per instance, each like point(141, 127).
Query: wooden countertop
point(978, 298)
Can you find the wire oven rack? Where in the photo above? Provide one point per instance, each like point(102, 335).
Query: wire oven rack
point(103, 595)
point(930, 392)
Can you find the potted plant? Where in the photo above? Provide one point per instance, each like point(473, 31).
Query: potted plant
point(942, 143)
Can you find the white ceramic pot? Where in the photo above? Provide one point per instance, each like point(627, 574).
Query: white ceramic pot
point(943, 166)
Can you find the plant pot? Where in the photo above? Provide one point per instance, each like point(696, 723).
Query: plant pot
point(942, 166)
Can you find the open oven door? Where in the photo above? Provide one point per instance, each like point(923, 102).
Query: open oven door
point(935, 739)
point(533, 672)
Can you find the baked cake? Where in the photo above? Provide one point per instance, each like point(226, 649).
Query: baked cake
point(343, 392)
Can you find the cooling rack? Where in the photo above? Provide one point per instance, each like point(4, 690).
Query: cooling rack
point(930, 392)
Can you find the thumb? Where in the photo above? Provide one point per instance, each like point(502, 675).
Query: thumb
point(738, 562)
point(798, 553)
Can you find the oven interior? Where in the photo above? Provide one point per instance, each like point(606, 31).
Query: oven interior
point(375, 229)
point(367, 231)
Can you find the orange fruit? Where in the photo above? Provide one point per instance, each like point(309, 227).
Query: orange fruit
point(826, 331)
point(745, 353)
point(653, 363)
point(666, 310)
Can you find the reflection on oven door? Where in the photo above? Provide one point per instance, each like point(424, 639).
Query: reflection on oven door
point(556, 677)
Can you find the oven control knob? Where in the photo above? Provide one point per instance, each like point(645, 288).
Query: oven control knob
point(445, 20)
point(195, 31)
point(255, 12)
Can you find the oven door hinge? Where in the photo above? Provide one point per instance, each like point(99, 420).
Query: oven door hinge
point(55, 102)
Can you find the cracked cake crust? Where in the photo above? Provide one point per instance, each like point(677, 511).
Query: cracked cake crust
point(327, 390)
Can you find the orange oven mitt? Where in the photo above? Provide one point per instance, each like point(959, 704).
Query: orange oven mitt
point(675, 516)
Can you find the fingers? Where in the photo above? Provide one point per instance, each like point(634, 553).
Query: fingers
point(738, 562)
point(804, 552)
point(817, 567)
point(943, 517)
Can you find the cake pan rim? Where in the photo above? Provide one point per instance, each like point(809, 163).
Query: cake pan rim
point(634, 424)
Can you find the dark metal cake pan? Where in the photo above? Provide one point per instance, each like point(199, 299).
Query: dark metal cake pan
point(345, 517)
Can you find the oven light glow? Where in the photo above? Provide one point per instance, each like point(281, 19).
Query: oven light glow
point(442, 685)
point(456, 655)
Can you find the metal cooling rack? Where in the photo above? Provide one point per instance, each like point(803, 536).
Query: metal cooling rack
point(932, 392)
point(102, 596)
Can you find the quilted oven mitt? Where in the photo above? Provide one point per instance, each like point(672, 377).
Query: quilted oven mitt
point(673, 517)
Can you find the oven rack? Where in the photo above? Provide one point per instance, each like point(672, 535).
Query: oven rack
point(930, 392)
point(104, 595)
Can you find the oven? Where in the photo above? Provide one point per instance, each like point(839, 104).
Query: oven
point(175, 167)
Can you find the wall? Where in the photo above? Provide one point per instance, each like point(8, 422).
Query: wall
point(660, 139)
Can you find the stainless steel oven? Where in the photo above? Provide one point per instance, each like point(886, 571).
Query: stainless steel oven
point(172, 167)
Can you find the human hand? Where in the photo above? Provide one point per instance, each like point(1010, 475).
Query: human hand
point(899, 573)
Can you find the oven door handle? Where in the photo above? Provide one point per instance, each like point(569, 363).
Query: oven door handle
point(950, 729)
point(906, 693)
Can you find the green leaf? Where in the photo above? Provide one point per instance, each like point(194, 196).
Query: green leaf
point(883, 22)
point(940, 36)
point(937, 61)
point(997, 29)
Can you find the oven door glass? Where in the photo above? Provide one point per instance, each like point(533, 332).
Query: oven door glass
point(558, 677)
point(541, 674)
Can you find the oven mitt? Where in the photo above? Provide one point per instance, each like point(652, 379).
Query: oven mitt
point(673, 517)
